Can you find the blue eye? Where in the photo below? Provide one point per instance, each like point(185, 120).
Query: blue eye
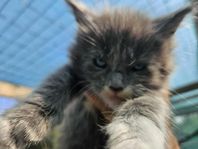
point(99, 62)
point(139, 67)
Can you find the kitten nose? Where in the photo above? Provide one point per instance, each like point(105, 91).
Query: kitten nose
point(116, 82)
point(116, 88)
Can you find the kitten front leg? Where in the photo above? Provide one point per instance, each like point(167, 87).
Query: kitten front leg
point(139, 124)
point(81, 127)
point(30, 121)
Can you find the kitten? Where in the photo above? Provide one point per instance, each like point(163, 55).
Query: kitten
point(120, 61)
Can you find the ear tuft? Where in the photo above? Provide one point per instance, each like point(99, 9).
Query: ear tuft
point(167, 26)
point(80, 11)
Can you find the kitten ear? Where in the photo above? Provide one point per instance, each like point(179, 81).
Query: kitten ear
point(81, 13)
point(166, 26)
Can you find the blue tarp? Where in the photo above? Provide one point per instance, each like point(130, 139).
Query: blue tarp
point(35, 35)
point(6, 103)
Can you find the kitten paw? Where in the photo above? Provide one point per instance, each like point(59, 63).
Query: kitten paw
point(6, 142)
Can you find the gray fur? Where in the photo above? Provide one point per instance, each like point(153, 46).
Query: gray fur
point(81, 128)
point(120, 38)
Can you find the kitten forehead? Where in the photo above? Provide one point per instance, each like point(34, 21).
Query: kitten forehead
point(121, 20)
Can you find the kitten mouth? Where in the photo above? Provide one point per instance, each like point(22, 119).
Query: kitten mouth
point(122, 95)
point(107, 99)
point(112, 96)
point(104, 100)
point(114, 99)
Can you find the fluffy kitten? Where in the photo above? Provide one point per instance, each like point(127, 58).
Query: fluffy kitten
point(121, 59)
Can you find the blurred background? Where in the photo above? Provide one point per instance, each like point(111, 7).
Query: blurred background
point(35, 35)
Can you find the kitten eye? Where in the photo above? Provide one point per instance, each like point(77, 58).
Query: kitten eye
point(99, 62)
point(139, 67)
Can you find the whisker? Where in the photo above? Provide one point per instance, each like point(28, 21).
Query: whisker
point(84, 89)
point(79, 83)
point(88, 41)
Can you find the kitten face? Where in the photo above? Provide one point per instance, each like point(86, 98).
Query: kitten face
point(123, 54)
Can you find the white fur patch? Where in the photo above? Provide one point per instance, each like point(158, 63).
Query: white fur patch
point(143, 126)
